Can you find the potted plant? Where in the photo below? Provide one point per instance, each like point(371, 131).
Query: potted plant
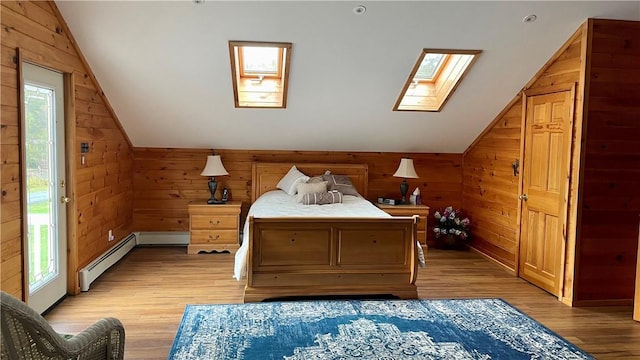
point(451, 228)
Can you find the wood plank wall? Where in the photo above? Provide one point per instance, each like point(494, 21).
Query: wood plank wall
point(490, 189)
point(166, 180)
point(104, 186)
point(610, 202)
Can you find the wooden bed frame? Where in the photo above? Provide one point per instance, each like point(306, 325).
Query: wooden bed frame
point(304, 256)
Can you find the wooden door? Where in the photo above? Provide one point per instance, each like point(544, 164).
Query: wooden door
point(544, 188)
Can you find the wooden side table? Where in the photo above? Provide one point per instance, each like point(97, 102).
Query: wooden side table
point(213, 227)
point(409, 210)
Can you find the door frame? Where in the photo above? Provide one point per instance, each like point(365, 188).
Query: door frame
point(526, 94)
point(70, 166)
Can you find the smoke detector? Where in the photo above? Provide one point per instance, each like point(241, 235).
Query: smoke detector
point(359, 10)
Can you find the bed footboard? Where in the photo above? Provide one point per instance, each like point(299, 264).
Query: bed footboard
point(295, 256)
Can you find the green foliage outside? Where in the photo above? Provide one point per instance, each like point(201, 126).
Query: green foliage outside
point(44, 253)
point(39, 208)
point(38, 105)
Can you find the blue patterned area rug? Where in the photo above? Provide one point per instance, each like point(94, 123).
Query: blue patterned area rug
point(367, 329)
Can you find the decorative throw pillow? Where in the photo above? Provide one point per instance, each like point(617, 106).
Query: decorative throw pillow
point(309, 188)
point(315, 179)
point(288, 182)
point(322, 198)
point(340, 183)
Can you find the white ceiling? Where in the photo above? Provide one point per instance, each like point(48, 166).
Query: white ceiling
point(164, 66)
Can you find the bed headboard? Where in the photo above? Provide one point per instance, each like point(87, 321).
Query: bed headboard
point(265, 176)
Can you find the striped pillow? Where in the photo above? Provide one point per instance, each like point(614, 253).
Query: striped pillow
point(322, 198)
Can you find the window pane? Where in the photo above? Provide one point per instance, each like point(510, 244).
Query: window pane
point(260, 60)
point(433, 79)
point(429, 66)
point(41, 210)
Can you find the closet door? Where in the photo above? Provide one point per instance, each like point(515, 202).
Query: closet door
point(547, 145)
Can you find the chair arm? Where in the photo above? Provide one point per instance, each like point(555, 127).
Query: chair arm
point(105, 336)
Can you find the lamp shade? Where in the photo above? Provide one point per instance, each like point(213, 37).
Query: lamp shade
point(214, 167)
point(406, 170)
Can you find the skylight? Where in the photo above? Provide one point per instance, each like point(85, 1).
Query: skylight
point(260, 60)
point(260, 73)
point(433, 79)
point(429, 66)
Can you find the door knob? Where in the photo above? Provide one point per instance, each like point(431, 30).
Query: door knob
point(65, 199)
point(523, 197)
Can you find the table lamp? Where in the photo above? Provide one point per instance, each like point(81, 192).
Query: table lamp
point(214, 168)
point(405, 170)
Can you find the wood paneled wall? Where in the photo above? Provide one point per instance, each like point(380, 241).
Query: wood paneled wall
point(102, 199)
point(603, 60)
point(166, 180)
point(610, 201)
point(490, 189)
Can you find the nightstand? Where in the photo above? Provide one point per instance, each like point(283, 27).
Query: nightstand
point(213, 227)
point(409, 210)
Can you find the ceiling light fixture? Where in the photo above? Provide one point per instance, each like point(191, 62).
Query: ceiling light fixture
point(529, 18)
point(359, 10)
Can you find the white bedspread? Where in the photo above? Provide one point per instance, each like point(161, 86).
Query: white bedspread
point(277, 203)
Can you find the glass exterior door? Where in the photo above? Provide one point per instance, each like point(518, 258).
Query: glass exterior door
point(44, 183)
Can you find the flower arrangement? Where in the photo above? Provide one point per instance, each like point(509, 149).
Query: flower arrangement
point(450, 222)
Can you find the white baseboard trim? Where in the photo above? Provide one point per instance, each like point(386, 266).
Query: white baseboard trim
point(94, 269)
point(162, 238)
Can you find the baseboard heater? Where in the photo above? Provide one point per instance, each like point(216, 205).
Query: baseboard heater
point(95, 268)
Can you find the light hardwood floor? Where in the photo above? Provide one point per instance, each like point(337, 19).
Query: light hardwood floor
point(148, 289)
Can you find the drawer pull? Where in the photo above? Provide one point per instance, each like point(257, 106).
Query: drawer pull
point(216, 238)
point(217, 222)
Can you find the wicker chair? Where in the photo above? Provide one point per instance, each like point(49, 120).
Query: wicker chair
point(27, 335)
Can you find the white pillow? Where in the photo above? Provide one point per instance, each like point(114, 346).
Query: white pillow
point(288, 182)
point(310, 188)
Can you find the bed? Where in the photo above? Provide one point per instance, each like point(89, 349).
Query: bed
point(320, 252)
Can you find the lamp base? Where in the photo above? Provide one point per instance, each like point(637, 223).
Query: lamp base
point(215, 202)
point(213, 184)
point(404, 187)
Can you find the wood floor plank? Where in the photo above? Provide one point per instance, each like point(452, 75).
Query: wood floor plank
point(149, 288)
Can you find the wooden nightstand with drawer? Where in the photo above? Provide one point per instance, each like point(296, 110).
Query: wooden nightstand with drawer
point(409, 210)
point(213, 227)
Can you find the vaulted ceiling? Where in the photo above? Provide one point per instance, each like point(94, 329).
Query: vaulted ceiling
point(164, 66)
